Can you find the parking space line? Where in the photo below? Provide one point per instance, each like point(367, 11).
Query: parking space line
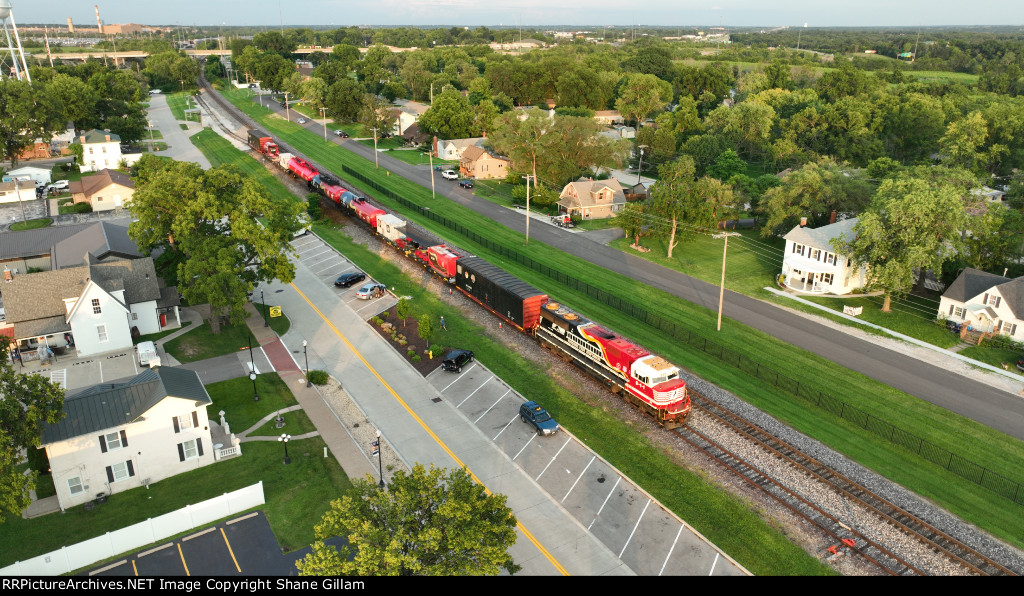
point(504, 427)
point(332, 266)
point(532, 435)
point(610, 493)
point(230, 551)
point(183, 560)
point(671, 549)
point(578, 478)
point(635, 526)
point(553, 457)
point(325, 252)
point(240, 519)
point(204, 532)
point(108, 567)
point(713, 563)
point(153, 550)
point(492, 405)
point(474, 391)
point(457, 378)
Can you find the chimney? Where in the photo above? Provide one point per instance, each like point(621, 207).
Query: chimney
point(107, 137)
point(803, 222)
point(832, 218)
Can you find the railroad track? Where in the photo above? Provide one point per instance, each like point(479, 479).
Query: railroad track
point(848, 539)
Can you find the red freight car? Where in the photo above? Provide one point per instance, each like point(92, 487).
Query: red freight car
point(442, 260)
point(366, 212)
point(302, 168)
point(262, 142)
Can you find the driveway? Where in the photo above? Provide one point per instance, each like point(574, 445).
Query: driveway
point(179, 146)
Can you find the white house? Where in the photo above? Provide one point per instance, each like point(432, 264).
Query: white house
point(453, 149)
point(102, 150)
point(39, 176)
point(17, 190)
point(95, 305)
point(811, 265)
point(985, 302)
point(408, 113)
point(129, 433)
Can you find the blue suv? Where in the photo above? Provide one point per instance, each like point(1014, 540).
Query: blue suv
point(532, 413)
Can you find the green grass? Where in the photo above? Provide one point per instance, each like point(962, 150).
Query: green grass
point(219, 151)
point(32, 224)
point(183, 126)
point(387, 144)
point(297, 496)
point(415, 157)
point(295, 423)
point(914, 316)
point(153, 134)
point(161, 334)
point(234, 396)
point(155, 147)
point(178, 102)
point(200, 343)
point(994, 356)
point(971, 440)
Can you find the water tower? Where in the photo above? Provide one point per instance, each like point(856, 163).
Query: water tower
point(7, 15)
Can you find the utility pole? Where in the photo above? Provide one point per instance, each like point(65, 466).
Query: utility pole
point(287, 112)
point(640, 166)
point(914, 57)
point(376, 163)
point(430, 154)
point(323, 114)
point(721, 293)
point(528, 206)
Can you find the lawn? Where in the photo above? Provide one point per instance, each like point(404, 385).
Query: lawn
point(32, 224)
point(234, 396)
point(280, 324)
point(178, 102)
point(971, 440)
point(161, 334)
point(200, 343)
point(219, 151)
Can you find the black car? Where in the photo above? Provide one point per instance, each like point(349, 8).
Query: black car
point(349, 279)
point(456, 359)
point(466, 183)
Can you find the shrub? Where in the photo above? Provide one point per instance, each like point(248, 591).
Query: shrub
point(319, 377)
point(313, 207)
point(402, 342)
point(411, 353)
point(436, 350)
point(416, 358)
point(384, 314)
point(376, 321)
point(83, 208)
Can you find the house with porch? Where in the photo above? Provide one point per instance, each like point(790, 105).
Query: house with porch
point(105, 190)
point(129, 433)
point(985, 302)
point(479, 163)
point(810, 264)
point(592, 199)
point(452, 149)
point(91, 308)
point(407, 114)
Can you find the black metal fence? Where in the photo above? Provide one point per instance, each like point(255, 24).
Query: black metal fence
point(952, 462)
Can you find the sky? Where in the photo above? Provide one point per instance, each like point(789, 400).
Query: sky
point(528, 13)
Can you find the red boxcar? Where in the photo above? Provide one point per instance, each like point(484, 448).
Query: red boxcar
point(442, 260)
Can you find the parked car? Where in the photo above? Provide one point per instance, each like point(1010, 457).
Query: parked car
point(533, 414)
point(155, 91)
point(449, 175)
point(302, 121)
point(341, 134)
point(371, 291)
point(466, 183)
point(456, 359)
point(60, 184)
point(346, 280)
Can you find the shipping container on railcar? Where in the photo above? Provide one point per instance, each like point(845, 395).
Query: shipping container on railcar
point(391, 228)
point(441, 259)
point(283, 159)
point(500, 292)
point(643, 379)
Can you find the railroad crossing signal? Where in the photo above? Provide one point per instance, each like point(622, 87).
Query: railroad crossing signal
point(275, 311)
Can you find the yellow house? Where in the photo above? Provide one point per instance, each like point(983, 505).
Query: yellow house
point(592, 199)
point(478, 163)
point(105, 190)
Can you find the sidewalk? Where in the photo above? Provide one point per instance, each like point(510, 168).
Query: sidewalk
point(331, 429)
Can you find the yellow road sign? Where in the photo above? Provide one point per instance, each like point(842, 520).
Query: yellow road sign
point(275, 311)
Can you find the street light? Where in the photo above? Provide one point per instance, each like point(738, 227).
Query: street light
point(284, 439)
point(721, 294)
point(640, 166)
point(306, 358)
point(528, 206)
point(263, 299)
point(252, 377)
point(380, 460)
point(376, 164)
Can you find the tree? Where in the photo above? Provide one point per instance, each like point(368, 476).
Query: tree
point(345, 99)
point(78, 100)
point(633, 220)
point(727, 165)
point(273, 41)
point(813, 191)
point(210, 218)
point(346, 55)
point(994, 238)
point(377, 113)
point(641, 95)
point(426, 328)
point(26, 113)
point(402, 309)
point(450, 117)
point(429, 522)
point(964, 144)
point(913, 225)
point(27, 402)
point(674, 197)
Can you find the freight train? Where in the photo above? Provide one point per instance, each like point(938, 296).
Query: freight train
point(643, 379)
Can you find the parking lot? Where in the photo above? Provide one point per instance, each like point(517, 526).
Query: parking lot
point(328, 264)
point(643, 534)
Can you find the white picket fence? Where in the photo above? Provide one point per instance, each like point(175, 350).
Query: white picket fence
point(111, 544)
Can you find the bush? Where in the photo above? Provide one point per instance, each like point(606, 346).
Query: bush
point(1003, 342)
point(319, 377)
point(83, 208)
point(376, 321)
point(416, 358)
point(313, 207)
point(411, 353)
point(384, 314)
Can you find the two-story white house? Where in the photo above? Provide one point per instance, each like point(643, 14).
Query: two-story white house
point(408, 113)
point(985, 302)
point(94, 305)
point(102, 150)
point(129, 433)
point(812, 266)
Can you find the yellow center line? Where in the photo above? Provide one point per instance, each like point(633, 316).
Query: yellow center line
point(182, 555)
point(423, 424)
point(230, 551)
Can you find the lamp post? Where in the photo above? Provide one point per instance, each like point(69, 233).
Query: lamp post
point(284, 438)
point(306, 358)
point(252, 377)
point(287, 110)
point(259, 92)
point(430, 154)
point(263, 299)
point(528, 207)
point(375, 154)
point(380, 460)
point(721, 293)
point(640, 166)
point(151, 144)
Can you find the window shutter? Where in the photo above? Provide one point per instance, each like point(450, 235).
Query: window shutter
point(998, 300)
point(124, 439)
point(984, 299)
point(195, 419)
point(177, 429)
point(181, 452)
point(950, 310)
point(110, 474)
point(103, 444)
point(131, 468)
point(199, 446)
point(1013, 329)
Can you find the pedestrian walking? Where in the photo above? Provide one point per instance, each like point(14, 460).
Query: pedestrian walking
point(442, 323)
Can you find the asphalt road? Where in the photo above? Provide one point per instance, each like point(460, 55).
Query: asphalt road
point(978, 401)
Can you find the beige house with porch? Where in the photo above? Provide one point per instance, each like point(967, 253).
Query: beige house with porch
point(478, 163)
point(592, 199)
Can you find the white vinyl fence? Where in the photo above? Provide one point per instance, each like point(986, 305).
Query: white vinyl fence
point(111, 544)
